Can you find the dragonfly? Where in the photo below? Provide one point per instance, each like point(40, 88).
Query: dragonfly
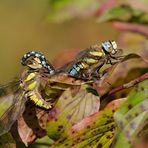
point(41, 80)
point(88, 62)
point(14, 95)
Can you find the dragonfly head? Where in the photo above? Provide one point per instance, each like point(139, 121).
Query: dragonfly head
point(36, 60)
point(110, 47)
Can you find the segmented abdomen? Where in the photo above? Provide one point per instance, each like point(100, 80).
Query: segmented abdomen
point(38, 101)
point(77, 67)
point(87, 61)
point(31, 84)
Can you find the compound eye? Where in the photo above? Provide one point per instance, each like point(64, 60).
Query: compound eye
point(114, 44)
point(114, 47)
point(107, 46)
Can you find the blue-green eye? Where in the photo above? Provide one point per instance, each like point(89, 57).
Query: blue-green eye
point(29, 58)
point(106, 46)
point(109, 47)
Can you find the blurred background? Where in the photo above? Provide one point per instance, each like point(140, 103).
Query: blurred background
point(24, 26)
point(59, 28)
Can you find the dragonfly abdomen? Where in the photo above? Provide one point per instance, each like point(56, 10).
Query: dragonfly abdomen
point(85, 63)
point(30, 85)
point(38, 101)
point(77, 67)
point(36, 60)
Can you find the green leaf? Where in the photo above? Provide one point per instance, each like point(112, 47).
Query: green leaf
point(61, 10)
point(132, 115)
point(75, 103)
point(124, 13)
point(95, 131)
point(57, 4)
point(115, 13)
point(44, 142)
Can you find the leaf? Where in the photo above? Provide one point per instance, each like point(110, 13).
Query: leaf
point(44, 142)
point(125, 13)
point(7, 141)
point(121, 72)
point(115, 13)
point(132, 115)
point(68, 9)
point(96, 130)
point(31, 125)
point(75, 103)
point(99, 128)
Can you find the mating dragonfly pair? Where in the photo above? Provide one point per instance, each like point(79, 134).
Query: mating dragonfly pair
point(40, 74)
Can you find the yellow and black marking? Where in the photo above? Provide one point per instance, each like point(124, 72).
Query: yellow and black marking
point(30, 77)
point(89, 61)
point(30, 85)
point(14, 95)
point(78, 67)
point(38, 101)
point(29, 81)
point(35, 61)
point(97, 53)
point(85, 62)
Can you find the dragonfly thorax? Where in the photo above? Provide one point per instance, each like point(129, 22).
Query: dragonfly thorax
point(28, 81)
point(31, 83)
point(89, 61)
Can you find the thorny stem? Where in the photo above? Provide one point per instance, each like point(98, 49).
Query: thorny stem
point(127, 85)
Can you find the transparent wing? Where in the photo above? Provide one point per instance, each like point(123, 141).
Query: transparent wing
point(12, 104)
point(10, 87)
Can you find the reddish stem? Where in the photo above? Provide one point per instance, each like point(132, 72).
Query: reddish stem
point(128, 85)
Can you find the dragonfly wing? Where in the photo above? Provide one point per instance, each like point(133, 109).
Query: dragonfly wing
point(12, 106)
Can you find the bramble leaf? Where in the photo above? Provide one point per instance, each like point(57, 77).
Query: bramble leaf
point(75, 103)
point(91, 131)
point(97, 130)
point(68, 9)
point(130, 15)
point(132, 116)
